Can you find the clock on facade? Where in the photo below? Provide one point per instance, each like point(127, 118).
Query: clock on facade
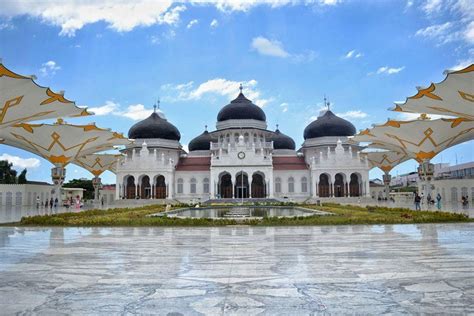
point(241, 155)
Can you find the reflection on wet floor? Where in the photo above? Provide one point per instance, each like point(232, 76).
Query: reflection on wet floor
point(361, 269)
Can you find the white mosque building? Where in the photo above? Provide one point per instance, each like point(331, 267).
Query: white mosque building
point(242, 159)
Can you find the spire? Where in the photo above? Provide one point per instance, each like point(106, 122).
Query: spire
point(277, 127)
point(326, 103)
point(240, 88)
point(156, 106)
point(205, 128)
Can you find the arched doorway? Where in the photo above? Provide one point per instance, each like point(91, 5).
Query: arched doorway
point(241, 186)
point(323, 186)
point(130, 187)
point(258, 186)
point(225, 186)
point(354, 185)
point(339, 185)
point(160, 188)
point(145, 188)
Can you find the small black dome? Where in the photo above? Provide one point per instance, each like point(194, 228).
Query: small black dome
point(154, 127)
point(329, 124)
point(202, 142)
point(282, 141)
point(241, 109)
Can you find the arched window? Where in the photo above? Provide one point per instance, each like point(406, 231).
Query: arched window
point(278, 185)
point(205, 185)
point(304, 185)
point(246, 137)
point(291, 185)
point(180, 186)
point(192, 187)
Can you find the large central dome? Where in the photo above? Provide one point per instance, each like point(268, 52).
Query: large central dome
point(241, 109)
point(329, 124)
point(154, 126)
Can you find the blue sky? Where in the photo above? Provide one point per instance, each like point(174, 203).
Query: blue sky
point(118, 58)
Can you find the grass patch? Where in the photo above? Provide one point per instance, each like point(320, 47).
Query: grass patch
point(343, 215)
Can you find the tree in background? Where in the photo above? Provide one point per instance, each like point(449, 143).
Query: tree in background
point(22, 177)
point(84, 184)
point(7, 173)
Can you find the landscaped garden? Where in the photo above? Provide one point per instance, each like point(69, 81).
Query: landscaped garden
point(342, 215)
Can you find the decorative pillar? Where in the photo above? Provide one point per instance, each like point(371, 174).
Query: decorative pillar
point(58, 174)
point(136, 190)
point(425, 172)
point(250, 189)
point(386, 182)
point(97, 184)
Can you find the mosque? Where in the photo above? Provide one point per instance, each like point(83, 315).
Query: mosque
point(242, 158)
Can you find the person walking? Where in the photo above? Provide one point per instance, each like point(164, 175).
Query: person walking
point(438, 201)
point(417, 202)
point(56, 204)
point(38, 202)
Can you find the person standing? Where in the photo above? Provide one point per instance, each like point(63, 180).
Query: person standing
point(438, 201)
point(56, 203)
point(38, 202)
point(417, 202)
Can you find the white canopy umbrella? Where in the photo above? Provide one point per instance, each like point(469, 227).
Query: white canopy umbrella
point(385, 161)
point(22, 100)
point(454, 96)
point(61, 143)
point(421, 139)
point(97, 164)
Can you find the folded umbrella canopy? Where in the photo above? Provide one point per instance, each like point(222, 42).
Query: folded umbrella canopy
point(454, 96)
point(22, 101)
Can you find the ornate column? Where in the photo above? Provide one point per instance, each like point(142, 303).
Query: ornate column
point(97, 184)
point(386, 182)
point(233, 187)
point(250, 189)
point(425, 172)
point(58, 174)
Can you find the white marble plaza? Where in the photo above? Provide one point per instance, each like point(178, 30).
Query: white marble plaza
point(399, 269)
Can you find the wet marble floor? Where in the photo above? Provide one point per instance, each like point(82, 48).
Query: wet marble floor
point(398, 269)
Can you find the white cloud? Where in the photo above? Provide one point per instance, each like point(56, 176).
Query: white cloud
point(354, 114)
point(22, 163)
point(469, 32)
point(284, 107)
point(155, 39)
point(108, 108)
point(268, 47)
point(443, 33)
point(432, 6)
point(214, 23)
point(218, 86)
point(136, 112)
point(73, 15)
point(49, 68)
point(389, 70)
point(353, 54)
point(192, 23)
point(6, 25)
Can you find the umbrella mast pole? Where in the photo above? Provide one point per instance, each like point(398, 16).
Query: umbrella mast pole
point(96, 182)
point(386, 181)
point(58, 174)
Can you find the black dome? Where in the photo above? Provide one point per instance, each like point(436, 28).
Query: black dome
point(202, 142)
point(154, 127)
point(282, 141)
point(241, 109)
point(329, 124)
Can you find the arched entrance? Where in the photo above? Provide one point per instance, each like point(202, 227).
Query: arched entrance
point(130, 187)
point(258, 186)
point(145, 188)
point(160, 188)
point(354, 185)
point(242, 186)
point(339, 185)
point(323, 186)
point(225, 186)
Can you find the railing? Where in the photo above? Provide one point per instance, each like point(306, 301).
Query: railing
point(258, 145)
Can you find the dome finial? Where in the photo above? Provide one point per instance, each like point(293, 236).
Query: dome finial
point(326, 102)
point(240, 88)
point(205, 128)
point(277, 126)
point(156, 106)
